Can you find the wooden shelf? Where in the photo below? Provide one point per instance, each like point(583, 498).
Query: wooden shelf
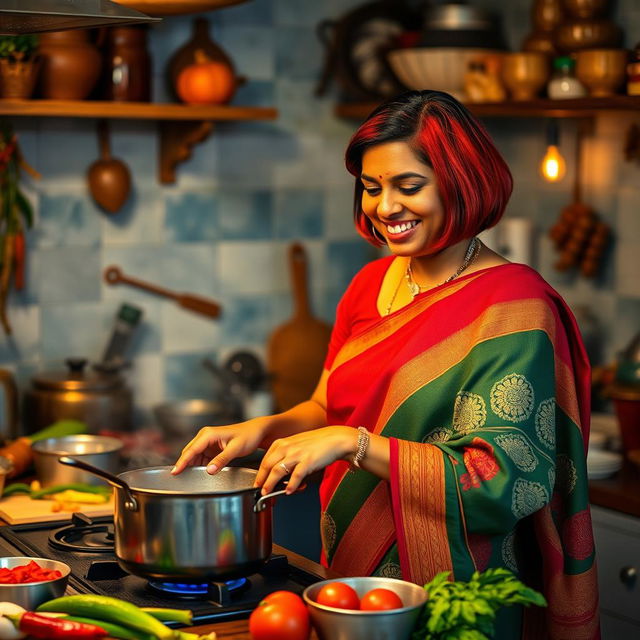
point(181, 126)
point(132, 110)
point(176, 7)
point(542, 107)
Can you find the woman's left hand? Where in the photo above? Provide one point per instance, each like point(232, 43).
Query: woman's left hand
point(304, 453)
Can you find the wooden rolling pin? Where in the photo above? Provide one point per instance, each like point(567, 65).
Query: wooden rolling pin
point(197, 304)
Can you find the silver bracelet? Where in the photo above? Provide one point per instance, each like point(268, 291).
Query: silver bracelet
point(361, 450)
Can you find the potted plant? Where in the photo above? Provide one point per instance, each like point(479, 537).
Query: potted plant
point(19, 65)
point(16, 214)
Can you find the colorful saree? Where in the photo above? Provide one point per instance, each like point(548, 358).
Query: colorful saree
point(482, 386)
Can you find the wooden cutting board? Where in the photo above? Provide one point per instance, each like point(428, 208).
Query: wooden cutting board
point(22, 510)
point(297, 349)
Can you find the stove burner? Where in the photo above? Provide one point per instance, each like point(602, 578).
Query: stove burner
point(83, 535)
point(219, 592)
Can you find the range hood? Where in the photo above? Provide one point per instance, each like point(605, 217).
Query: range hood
point(35, 16)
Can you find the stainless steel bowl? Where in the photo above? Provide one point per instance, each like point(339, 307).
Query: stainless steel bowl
point(32, 594)
point(344, 624)
point(100, 451)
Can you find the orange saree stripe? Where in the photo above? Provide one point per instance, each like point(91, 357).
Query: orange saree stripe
point(498, 320)
point(426, 547)
point(348, 558)
point(391, 324)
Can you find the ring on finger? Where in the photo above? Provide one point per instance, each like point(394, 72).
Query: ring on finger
point(286, 469)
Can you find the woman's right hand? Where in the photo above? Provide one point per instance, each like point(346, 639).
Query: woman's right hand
point(216, 447)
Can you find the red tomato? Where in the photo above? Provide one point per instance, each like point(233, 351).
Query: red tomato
point(279, 620)
point(380, 599)
point(338, 595)
point(287, 599)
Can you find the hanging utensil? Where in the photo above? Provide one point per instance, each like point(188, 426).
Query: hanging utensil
point(114, 275)
point(109, 178)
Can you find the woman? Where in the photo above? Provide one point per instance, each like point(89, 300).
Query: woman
point(456, 386)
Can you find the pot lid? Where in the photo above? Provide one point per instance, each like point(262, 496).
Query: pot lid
point(192, 481)
point(36, 16)
point(77, 378)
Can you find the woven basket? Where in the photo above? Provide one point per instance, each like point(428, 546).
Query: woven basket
point(18, 77)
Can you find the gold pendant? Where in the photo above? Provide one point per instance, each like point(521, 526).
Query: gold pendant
point(414, 289)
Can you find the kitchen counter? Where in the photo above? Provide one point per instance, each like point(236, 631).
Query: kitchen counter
point(620, 492)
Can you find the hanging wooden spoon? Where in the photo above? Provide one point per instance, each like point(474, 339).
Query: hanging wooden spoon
point(109, 178)
point(198, 304)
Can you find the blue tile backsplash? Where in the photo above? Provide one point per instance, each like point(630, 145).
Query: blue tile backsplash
point(223, 229)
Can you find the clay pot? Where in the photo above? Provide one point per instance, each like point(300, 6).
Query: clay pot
point(546, 15)
point(109, 178)
point(585, 8)
point(127, 72)
point(589, 33)
point(602, 71)
point(525, 73)
point(70, 65)
point(541, 41)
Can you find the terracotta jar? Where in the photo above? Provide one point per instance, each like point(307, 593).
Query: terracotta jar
point(70, 65)
point(127, 71)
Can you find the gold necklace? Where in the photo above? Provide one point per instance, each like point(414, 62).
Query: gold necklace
point(472, 253)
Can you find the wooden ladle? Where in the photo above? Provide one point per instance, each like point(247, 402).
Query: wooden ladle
point(204, 306)
point(109, 178)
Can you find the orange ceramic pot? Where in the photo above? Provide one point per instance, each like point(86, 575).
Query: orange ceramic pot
point(602, 71)
point(70, 65)
point(525, 73)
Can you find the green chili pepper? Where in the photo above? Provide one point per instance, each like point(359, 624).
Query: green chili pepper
point(184, 616)
point(76, 486)
point(110, 610)
point(15, 488)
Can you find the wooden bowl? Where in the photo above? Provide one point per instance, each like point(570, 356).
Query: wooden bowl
point(602, 71)
point(525, 73)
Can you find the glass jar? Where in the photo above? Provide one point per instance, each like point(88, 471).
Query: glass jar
point(563, 83)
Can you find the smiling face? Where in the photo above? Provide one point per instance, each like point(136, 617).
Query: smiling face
point(401, 198)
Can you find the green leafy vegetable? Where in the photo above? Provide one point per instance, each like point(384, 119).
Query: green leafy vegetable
point(467, 610)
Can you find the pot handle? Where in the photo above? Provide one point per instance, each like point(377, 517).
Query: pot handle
point(130, 502)
point(261, 504)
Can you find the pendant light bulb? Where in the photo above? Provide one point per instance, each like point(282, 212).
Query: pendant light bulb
point(553, 166)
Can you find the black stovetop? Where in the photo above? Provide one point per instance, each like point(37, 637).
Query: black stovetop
point(98, 572)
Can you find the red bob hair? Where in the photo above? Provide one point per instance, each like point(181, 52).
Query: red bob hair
point(474, 181)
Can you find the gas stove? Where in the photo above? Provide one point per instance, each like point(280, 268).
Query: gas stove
point(86, 545)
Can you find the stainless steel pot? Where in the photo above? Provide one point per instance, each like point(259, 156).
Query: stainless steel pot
point(101, 451)
point(191, 527)
point(99, 398)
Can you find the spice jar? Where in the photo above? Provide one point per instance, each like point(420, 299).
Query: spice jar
point(563, 83)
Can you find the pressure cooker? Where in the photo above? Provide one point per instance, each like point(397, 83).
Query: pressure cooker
point(100, 398)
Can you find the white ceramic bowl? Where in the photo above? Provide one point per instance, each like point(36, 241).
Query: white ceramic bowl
point(30, 595)
point(345, 624)
point(441, 69)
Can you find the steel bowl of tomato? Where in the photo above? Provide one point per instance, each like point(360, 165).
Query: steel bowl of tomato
point(29, 582)
point(371, 608)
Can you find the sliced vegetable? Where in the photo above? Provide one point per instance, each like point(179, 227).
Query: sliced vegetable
point(24, 573)
point(78, 487)
point(109, 609)
point(81, 497)
point(38, 626)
